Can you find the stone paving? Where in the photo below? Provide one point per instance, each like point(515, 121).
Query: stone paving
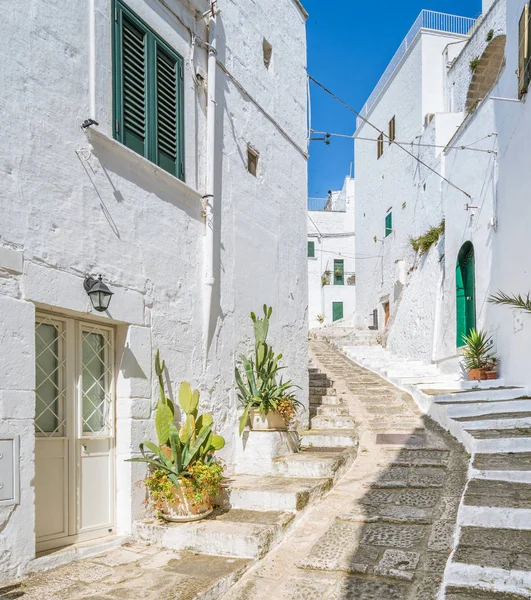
point(131, 572)
point(383, 532)
point(386, 530)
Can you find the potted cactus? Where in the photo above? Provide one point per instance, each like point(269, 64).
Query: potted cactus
point(184, 476)
point(268, 401)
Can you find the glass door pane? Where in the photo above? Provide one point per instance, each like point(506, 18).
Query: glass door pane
point(49, 378)
point(96, 375)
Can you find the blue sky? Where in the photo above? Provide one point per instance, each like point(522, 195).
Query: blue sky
point(350, 42)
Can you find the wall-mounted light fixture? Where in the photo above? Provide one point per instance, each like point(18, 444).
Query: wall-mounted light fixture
point(98, 292)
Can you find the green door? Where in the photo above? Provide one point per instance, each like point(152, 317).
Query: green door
point(337, 311)
point(465, 289)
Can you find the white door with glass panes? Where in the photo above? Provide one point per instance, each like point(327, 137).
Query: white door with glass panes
point(74, 427)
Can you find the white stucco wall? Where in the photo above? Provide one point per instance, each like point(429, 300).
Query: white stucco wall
point(397, 181)
point(332, 232)
point(73, 205)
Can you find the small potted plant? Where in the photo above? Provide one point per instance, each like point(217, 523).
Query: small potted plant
point(266, 399)
point(184, 477)
point(477, 354)
point(320, 319)
point(492, 368)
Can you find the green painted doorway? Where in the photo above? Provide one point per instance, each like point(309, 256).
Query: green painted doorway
point(337, 311)
point(465, 289)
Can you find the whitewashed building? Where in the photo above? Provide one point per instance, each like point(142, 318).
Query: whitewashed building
point(466, 118)
point(331, 258)
point(163, 146)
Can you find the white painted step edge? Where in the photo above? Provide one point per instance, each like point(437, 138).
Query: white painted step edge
point(489, 579)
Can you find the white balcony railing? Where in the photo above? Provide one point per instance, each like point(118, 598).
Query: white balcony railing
point(429, 20)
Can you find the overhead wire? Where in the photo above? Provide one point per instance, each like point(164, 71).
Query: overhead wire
point(382, 133)
point(365, 139)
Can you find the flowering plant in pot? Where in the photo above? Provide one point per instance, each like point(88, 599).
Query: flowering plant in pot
point(477, 354)
point(268, 401)
point(184, 476)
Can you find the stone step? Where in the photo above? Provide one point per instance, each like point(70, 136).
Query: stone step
point(329, 438)
point(327, 401)
point(457, 396)
point(500, 424)
point(464, 411)
point(322, 391)
point(472, 593)
point(333, 422)
point(235, 533)
point(501, 494)
point(250, 492)
point(312, 370)
point(520, 461)
point(496, 434)
point(315, 463)
point(333, 410)
point(499, 416)
point(410, 477)
point(492, 558)
point(319, 376)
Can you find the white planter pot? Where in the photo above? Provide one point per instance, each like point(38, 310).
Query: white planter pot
point(272, 421)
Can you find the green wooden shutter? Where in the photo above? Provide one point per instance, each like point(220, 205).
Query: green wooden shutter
point(311, 249)
point(167, 99)
point(148, 92)
point(388, 224)
point(337, 311)
point(339, 272)
point(133, 77)
point(465, 293)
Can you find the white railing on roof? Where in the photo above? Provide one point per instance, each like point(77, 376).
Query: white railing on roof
point(430, 20)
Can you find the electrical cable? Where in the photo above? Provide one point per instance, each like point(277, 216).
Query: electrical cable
point(365, 120)
point(364, 139)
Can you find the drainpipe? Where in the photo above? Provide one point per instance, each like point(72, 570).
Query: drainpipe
point(208, 198)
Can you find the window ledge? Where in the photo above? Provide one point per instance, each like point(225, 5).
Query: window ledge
point(142, 166)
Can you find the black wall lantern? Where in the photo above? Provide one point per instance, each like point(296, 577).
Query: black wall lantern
point(99, 293)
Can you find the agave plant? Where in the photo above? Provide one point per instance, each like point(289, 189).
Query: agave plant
point(477, 353)
point(259, 386)
point(179, 449)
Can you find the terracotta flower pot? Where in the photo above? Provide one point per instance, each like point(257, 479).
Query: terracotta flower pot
point(492, 374)
point(272, 421)
point(477, 374)
point(182, 510)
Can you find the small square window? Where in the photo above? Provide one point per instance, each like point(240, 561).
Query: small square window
point(252, 161)
point(311, 249)
point(267, 50)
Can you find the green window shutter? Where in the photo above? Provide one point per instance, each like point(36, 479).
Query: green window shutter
point(311, 249)
point(132, 109)
point(388, 224)
point(337, 311)
point(148, 92)
point(168, 86)
point(339, 272)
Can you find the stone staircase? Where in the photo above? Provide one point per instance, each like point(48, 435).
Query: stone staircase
point(256, 512)
point(491, 557)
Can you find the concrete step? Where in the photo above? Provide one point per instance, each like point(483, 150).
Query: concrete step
point(312, 370)
point(235, 533)
point(333, 422)
point(458, 396)
point(496, 434)
point(332, 411)
point(249, 492)
point(322, 391)
point(499, 422)
point(492, 559)
point(473, 411)
point(315, 463)
point(319, 376)
point(500, 494)
point(472, 593)
point(329, 438)
point(520, 461)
